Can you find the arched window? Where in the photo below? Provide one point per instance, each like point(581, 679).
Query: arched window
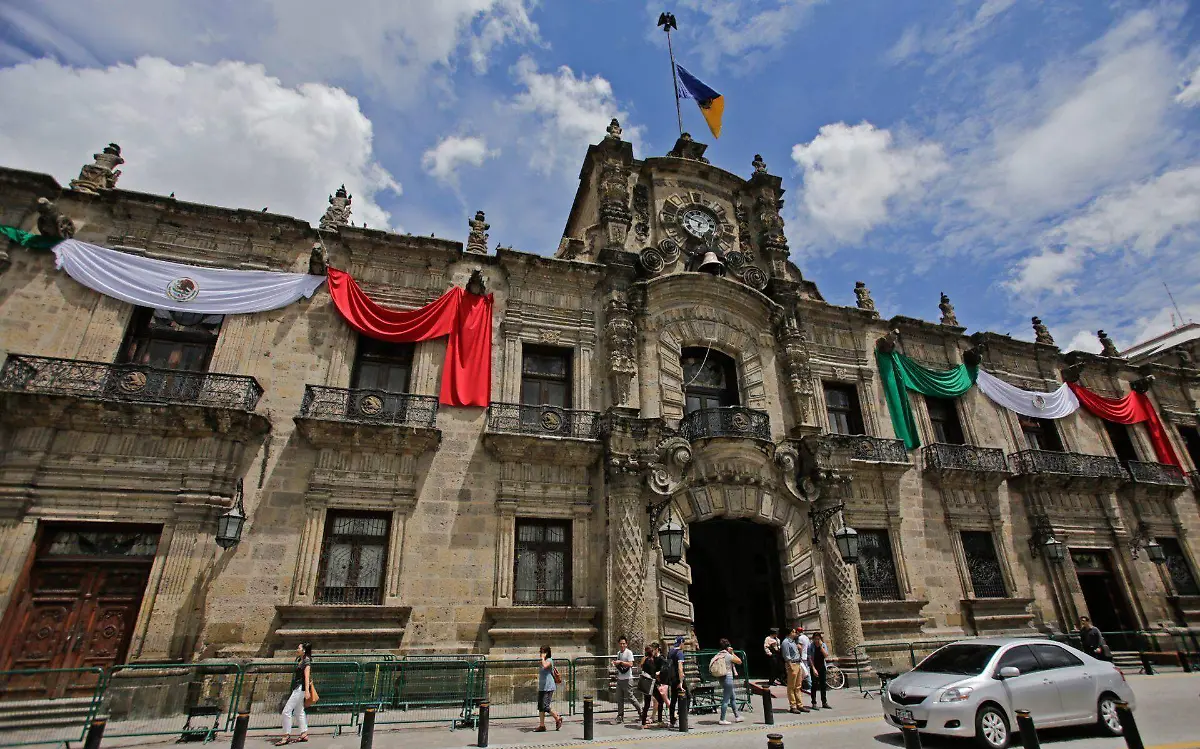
point(709, 379)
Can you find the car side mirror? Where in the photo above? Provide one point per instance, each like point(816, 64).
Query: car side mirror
point(1009, 672)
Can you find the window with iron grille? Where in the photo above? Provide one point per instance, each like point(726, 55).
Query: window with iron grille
point(709, 379)
point(543, 563)
point(171, 340)
point(1040, 434)
point(943, 416)
point(843, 410)
point(546, 376)
point(876, 567)
point(353, 557)
point(380, 365)
point(987, 579)
point(1178, 568)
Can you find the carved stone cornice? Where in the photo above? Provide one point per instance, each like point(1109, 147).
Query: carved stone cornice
point(384, 438)
point(375, 628)
point(532, 448)
point(998, 615)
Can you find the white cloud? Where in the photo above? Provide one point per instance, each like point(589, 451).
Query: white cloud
point(1189, 93)
point(854, 175)
point(1047, 271)
point(570, 112)
point(225, 134)
point(739, 31)
point(1084, 340)
point(956, 37)
point(443, 160)
point(390, 43)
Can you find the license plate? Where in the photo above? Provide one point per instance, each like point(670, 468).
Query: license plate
point(904, 714)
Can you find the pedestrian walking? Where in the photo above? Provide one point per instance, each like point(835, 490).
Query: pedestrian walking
point(818, 655)
point(724, 667)
point(1092, 640)
point(795, 673)
point(803, 644)
point(624, 665)
point(548, 681)
point(773, 647)
point(652, 683)
point(676, 683)
point(303, 693)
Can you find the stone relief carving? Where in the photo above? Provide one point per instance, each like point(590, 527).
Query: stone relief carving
point(769, 207)
point(614, 129)
point(743, 227)
point(102, 174)
point(667, 476)
point(614, 202)
point(652, 260)
point(477, 240)
point(641, 212)
point(52, 222)
point(338, 212)
point(793, 344)
point(620, 335)
point(669, 249)
point(318, 260)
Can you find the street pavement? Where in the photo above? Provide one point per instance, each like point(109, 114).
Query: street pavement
point(1168, 713)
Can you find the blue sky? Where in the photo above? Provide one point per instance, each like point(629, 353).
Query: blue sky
point(1024, 157)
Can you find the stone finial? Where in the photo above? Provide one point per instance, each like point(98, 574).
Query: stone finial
point(52, 222)
point(862, 297)
point(102, 174)
point(477, 240)
point(318, 260)
point(760, 166)
point(1107, 348)
point(614, 129)
point(338, 212)
point(1041, 332)
point(948, 317)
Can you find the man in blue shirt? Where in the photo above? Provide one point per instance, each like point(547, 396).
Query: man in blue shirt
point(676, 682)
point(794, 660)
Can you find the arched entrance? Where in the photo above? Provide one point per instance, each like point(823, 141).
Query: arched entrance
point(737, 586)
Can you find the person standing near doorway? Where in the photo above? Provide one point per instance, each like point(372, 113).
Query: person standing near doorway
point(624, 666)
point(1092, 640)
point(817, 656)
point(727, 695)
point(650, 683)
point(795, 673)
point(677, 683)
point(547, 683)
point(302, 691)
point(774, 650)
point(803, 643)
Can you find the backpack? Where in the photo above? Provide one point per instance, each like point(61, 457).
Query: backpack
point(719, 666)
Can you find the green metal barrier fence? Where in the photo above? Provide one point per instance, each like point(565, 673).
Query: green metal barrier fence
point(265, 689)
point(596, 676)
point(423, 690)
point(706, 689)
point(48, 706)
point(186, 700)
point(511, 686)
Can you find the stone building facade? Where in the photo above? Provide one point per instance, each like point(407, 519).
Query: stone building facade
point(668, 363)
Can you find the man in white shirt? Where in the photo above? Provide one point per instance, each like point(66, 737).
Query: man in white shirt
point(803, 643)
point(624, 666)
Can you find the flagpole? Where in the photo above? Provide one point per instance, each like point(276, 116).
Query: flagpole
point(667, 22)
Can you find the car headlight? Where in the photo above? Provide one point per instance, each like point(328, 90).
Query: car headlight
point(956, 694)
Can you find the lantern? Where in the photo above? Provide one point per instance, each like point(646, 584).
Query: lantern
point(1055, 550)
point(847, 544)
point(1154, 550)
point(229, 524)
point(670, 536)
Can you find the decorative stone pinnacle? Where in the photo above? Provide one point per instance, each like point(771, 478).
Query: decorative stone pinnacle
point(101, 174)
point(1041, 332)
point(948, 316)
point(477, 240)
point(52, 222)
point(862, 296)
point(760, 166)
point(338, 212)
point(614, 129)
point(1107, 348)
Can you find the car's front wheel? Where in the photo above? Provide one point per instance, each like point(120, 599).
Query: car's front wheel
point(991, 727)
point(1108, 720)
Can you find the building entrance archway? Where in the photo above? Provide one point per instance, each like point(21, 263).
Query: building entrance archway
point(737, 586)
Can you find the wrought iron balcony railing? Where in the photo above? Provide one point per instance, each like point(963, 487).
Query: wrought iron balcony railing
point(1156, 473)
point(875, 449)
point(941, 457)
point(128, 382)
point(547, 421)
point(1195, 477)
point(369, 406)
point(1031, 462)
point(730, 421)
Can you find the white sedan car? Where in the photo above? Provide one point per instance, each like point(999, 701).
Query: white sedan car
point(973, 688)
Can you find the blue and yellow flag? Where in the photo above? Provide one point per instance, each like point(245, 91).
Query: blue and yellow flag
point(712, 104)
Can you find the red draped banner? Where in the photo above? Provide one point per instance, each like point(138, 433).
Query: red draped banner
point(465, 318)
point(1132, 409)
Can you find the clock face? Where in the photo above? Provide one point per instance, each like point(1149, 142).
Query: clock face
point(698, 222)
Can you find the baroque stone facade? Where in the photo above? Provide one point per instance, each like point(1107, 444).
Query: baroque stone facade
point(378, 521)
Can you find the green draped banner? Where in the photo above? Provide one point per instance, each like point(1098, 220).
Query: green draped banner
point(27, 239)
point(897, 369)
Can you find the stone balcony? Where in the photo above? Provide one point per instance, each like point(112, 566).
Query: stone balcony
point(374, 420)
point(880, 453)
point(965, 463)
point(1156, 474)
point(518, 432)
point(730, 421)
point(1049, 468)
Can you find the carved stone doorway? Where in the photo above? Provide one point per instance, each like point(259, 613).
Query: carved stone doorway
point(1106, 602)
point(737, 587)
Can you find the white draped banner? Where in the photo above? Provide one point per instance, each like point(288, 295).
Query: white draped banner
point(1055, 405)
point(181, 288)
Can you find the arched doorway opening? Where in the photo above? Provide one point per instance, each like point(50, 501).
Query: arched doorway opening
point(709, 379)
point(737, 586)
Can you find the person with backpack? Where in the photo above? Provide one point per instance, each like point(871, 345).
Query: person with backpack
point(548, 681)
point(723, 666)
point(675, 679)
point(651, 683)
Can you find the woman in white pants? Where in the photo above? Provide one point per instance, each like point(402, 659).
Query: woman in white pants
point(302, 689)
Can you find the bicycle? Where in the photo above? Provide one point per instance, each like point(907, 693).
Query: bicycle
point(834, 677)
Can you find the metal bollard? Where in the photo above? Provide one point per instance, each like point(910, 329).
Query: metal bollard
point(1029, 738)
point(912, 737)
point(485, 714)
point(768, 708)
point(1133, 739)
point(1185, 662)
point(95, 733)
point(684, 705)
point(368, 729)
point(241, 724)
point(774, 741)
point(1146, 665)
point(588, 729)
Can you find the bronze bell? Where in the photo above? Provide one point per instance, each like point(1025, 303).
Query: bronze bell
point(711, 263)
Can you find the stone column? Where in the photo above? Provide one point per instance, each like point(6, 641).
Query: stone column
point(627, 543)
point(841, 591)
point(188, 555)
point(506, 530)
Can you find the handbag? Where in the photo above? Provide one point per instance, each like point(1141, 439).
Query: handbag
point(557, 675)
point(646, 683)
point(662, 692)
point(311, 700)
